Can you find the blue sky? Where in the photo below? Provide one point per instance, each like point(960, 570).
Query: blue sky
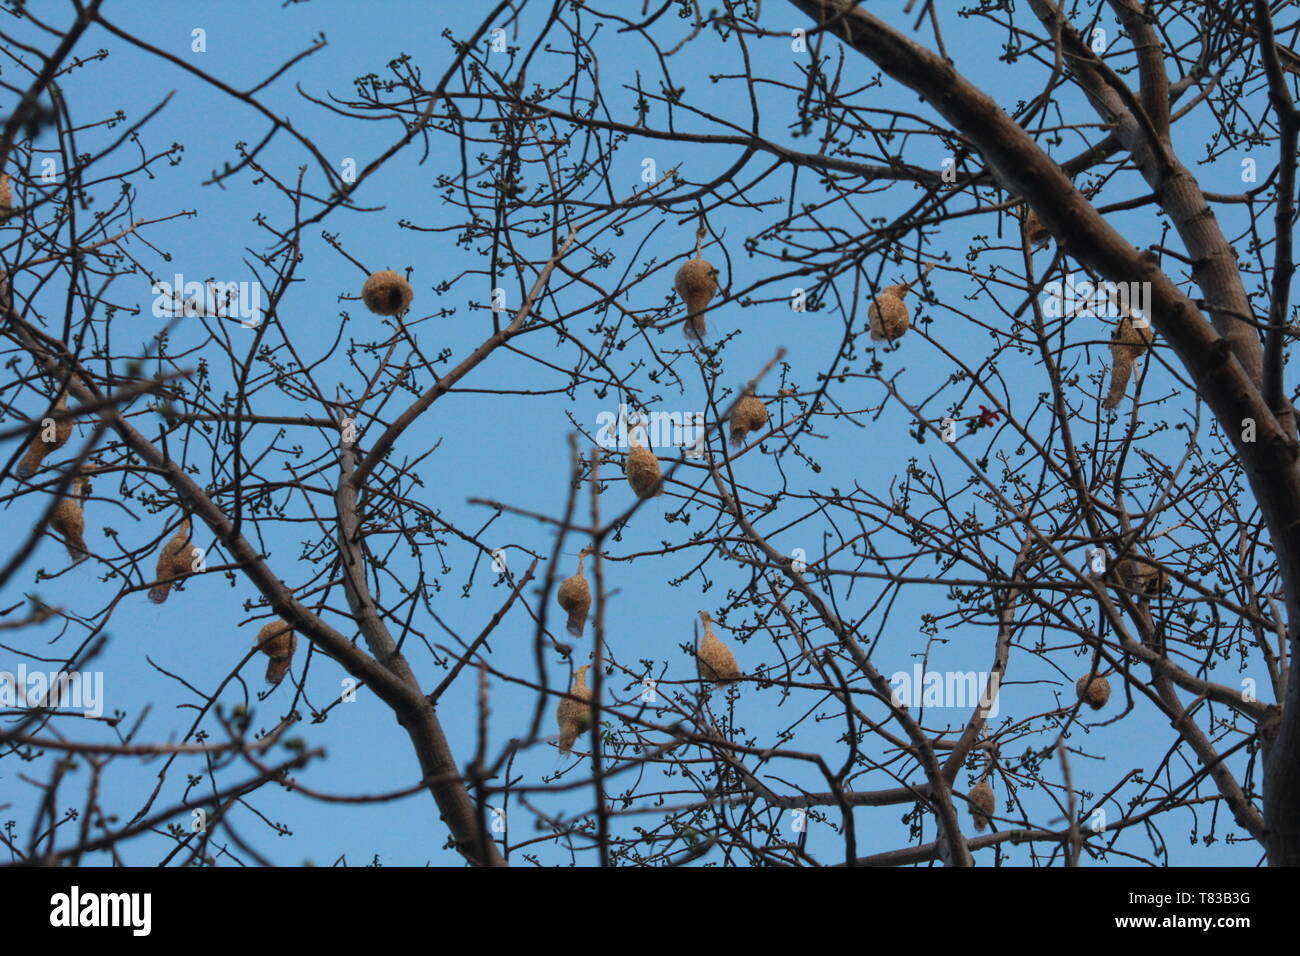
point(512, 448)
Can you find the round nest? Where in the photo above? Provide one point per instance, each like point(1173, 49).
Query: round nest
point(387, 293)
point(888, 314)
point(1095, 692)
point(749, 415)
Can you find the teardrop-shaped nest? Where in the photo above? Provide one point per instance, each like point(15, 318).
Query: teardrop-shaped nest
point(1094, 692)
point(69, 521)
point(575, 598)
point(643, 473)
point(1127, 343)
point(39, 447)
point(697, 283)
point(981, 804)
point(277, 640)
point(1037, 234)
point(574, 716)
point(176, 559)
point(714, 659)
point(387, 293)
point(888, 313)
point(749, 415)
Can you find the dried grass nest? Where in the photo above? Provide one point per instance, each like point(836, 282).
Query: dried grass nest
point(176, 559)
point(749, 415)
point(888, 314)
point(697, 283)
point(643, 472)
point(714, 659)
point(574, 597)
point(1093, 690)
point(1127, 344)
point(68, 520)
point(277, 640)
point(387, 293)
point(1037, 234)
point(981, 804)
point(39, 447)
point(574, 716)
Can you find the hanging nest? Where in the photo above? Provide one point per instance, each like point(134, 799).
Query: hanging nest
point(277, 641)
point(1148, 579)
point(888, 313)
point(714, 659)
point(387, 293)
point(697, 284)
point(69, 521)
point(6, 197)
point(643, 472)
point(1127, 343)
point(1093, 691)
point(749, 415)
point(574, 716)
point(39, 447)
point(575, 597)
point(1035, 231)
point(981, 804)
point(175, 560)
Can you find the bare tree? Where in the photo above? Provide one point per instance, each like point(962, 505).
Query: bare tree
point(1091, 486)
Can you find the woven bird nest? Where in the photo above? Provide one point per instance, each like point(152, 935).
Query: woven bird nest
point(574, 716)
point(714, 659)
point(643, 472)
point(175, 560)
point(981, 804)
point(575, 597)
point(1127, 344)
point(387, 293)
point(697, 283)
point(1093, 691)
point(6, 197)
point(39, 447)
point(1035, 231)
point(68, 520)
point(277, 641)
point(888, 313)
point(749, 415)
